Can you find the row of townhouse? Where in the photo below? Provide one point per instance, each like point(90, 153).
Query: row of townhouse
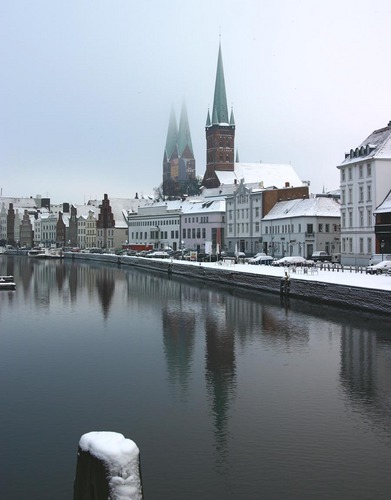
point(100, 224)
point(250, 219)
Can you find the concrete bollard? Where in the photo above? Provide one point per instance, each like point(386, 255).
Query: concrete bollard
point(108, 467)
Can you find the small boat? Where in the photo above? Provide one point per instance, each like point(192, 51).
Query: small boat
point(7, 283)
point(46, 253)
point(34, 252)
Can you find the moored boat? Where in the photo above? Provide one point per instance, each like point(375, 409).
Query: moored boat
point(46, 253)
point(7, 283)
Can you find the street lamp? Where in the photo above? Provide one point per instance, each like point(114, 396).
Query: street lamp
point(382, 245)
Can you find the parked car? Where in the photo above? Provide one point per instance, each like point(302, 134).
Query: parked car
point(380, 268)
point(261, 259)
point(320, 256)
point(159, 254)
point(294, 260)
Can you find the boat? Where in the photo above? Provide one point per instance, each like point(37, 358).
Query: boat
point(7, 283)
point(46, 253)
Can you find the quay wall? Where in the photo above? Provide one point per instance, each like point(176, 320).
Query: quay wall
point(374, 300)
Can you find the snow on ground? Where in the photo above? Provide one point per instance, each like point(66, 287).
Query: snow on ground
point(349, 278)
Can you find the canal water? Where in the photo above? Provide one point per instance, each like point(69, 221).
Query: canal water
point(228, 394)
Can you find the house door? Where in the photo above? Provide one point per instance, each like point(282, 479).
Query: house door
point(310, 251)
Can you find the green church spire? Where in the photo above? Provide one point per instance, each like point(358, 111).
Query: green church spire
point(172, 134)
point(184, 137)
point(220, 108)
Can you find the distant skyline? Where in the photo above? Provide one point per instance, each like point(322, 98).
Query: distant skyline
point(88, 87)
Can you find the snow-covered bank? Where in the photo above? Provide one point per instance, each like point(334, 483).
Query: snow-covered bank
point(346, 288)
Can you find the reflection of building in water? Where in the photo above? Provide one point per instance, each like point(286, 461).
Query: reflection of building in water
point(220, 368)
point(178, 339)
point(358, 361)
point(105, 285)
point(366, 374)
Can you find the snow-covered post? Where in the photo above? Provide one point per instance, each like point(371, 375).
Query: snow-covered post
point(108, 468)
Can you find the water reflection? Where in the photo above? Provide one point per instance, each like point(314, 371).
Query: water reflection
point(366, 374)
point(243, 350)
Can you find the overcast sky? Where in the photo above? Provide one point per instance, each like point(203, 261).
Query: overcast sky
point(87, 87)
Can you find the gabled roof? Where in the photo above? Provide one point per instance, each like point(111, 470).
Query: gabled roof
point(376, 145)
point(315, 207)
point(385, 205)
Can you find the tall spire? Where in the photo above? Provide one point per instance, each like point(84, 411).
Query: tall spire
point(184, 137)
point(220, 108)
point(172, 134)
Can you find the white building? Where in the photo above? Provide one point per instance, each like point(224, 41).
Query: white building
point(300, 227)
point(203, 225)
point(365, 180)
point(156, 224)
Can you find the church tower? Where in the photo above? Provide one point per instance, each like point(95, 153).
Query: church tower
point(178, 158)
point(220, 132)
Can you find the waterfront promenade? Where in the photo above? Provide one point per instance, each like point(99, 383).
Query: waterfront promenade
point(348, 287)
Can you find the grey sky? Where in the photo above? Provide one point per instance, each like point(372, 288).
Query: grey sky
point(87, 87)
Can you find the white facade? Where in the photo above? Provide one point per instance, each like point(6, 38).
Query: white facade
point(365, 180)
point(300, 227)
point(156, 224)
point(243, 220)
point(203, 224)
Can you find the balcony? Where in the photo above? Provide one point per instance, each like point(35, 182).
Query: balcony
point(310, 235)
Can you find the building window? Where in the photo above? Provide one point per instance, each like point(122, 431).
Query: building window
point(327, 228)
point(350, 218)
point(257, 227)
point(342, 175)
point(369, 193)
point(320, 228)
point(369, 245)
point(361, 245)
point(203, 233)
point(369, 170)
point(360, 171)
point(360, 193)
point(350, 200)
point(343, 201)
point(350, 173)
point(369, 217)
point(350, 245)
point(361, 216)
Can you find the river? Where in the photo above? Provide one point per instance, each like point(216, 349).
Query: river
point(228, 394)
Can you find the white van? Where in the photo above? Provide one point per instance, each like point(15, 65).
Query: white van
point(378, 257)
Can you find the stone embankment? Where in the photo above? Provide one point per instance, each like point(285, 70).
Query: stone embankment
point(315, 290)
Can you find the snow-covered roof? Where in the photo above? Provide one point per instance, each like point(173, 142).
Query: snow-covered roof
point(376, 145)
point(315, 207)
point(204, 206)
point(263, 174)
point(385, 206)
point(27, 203)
